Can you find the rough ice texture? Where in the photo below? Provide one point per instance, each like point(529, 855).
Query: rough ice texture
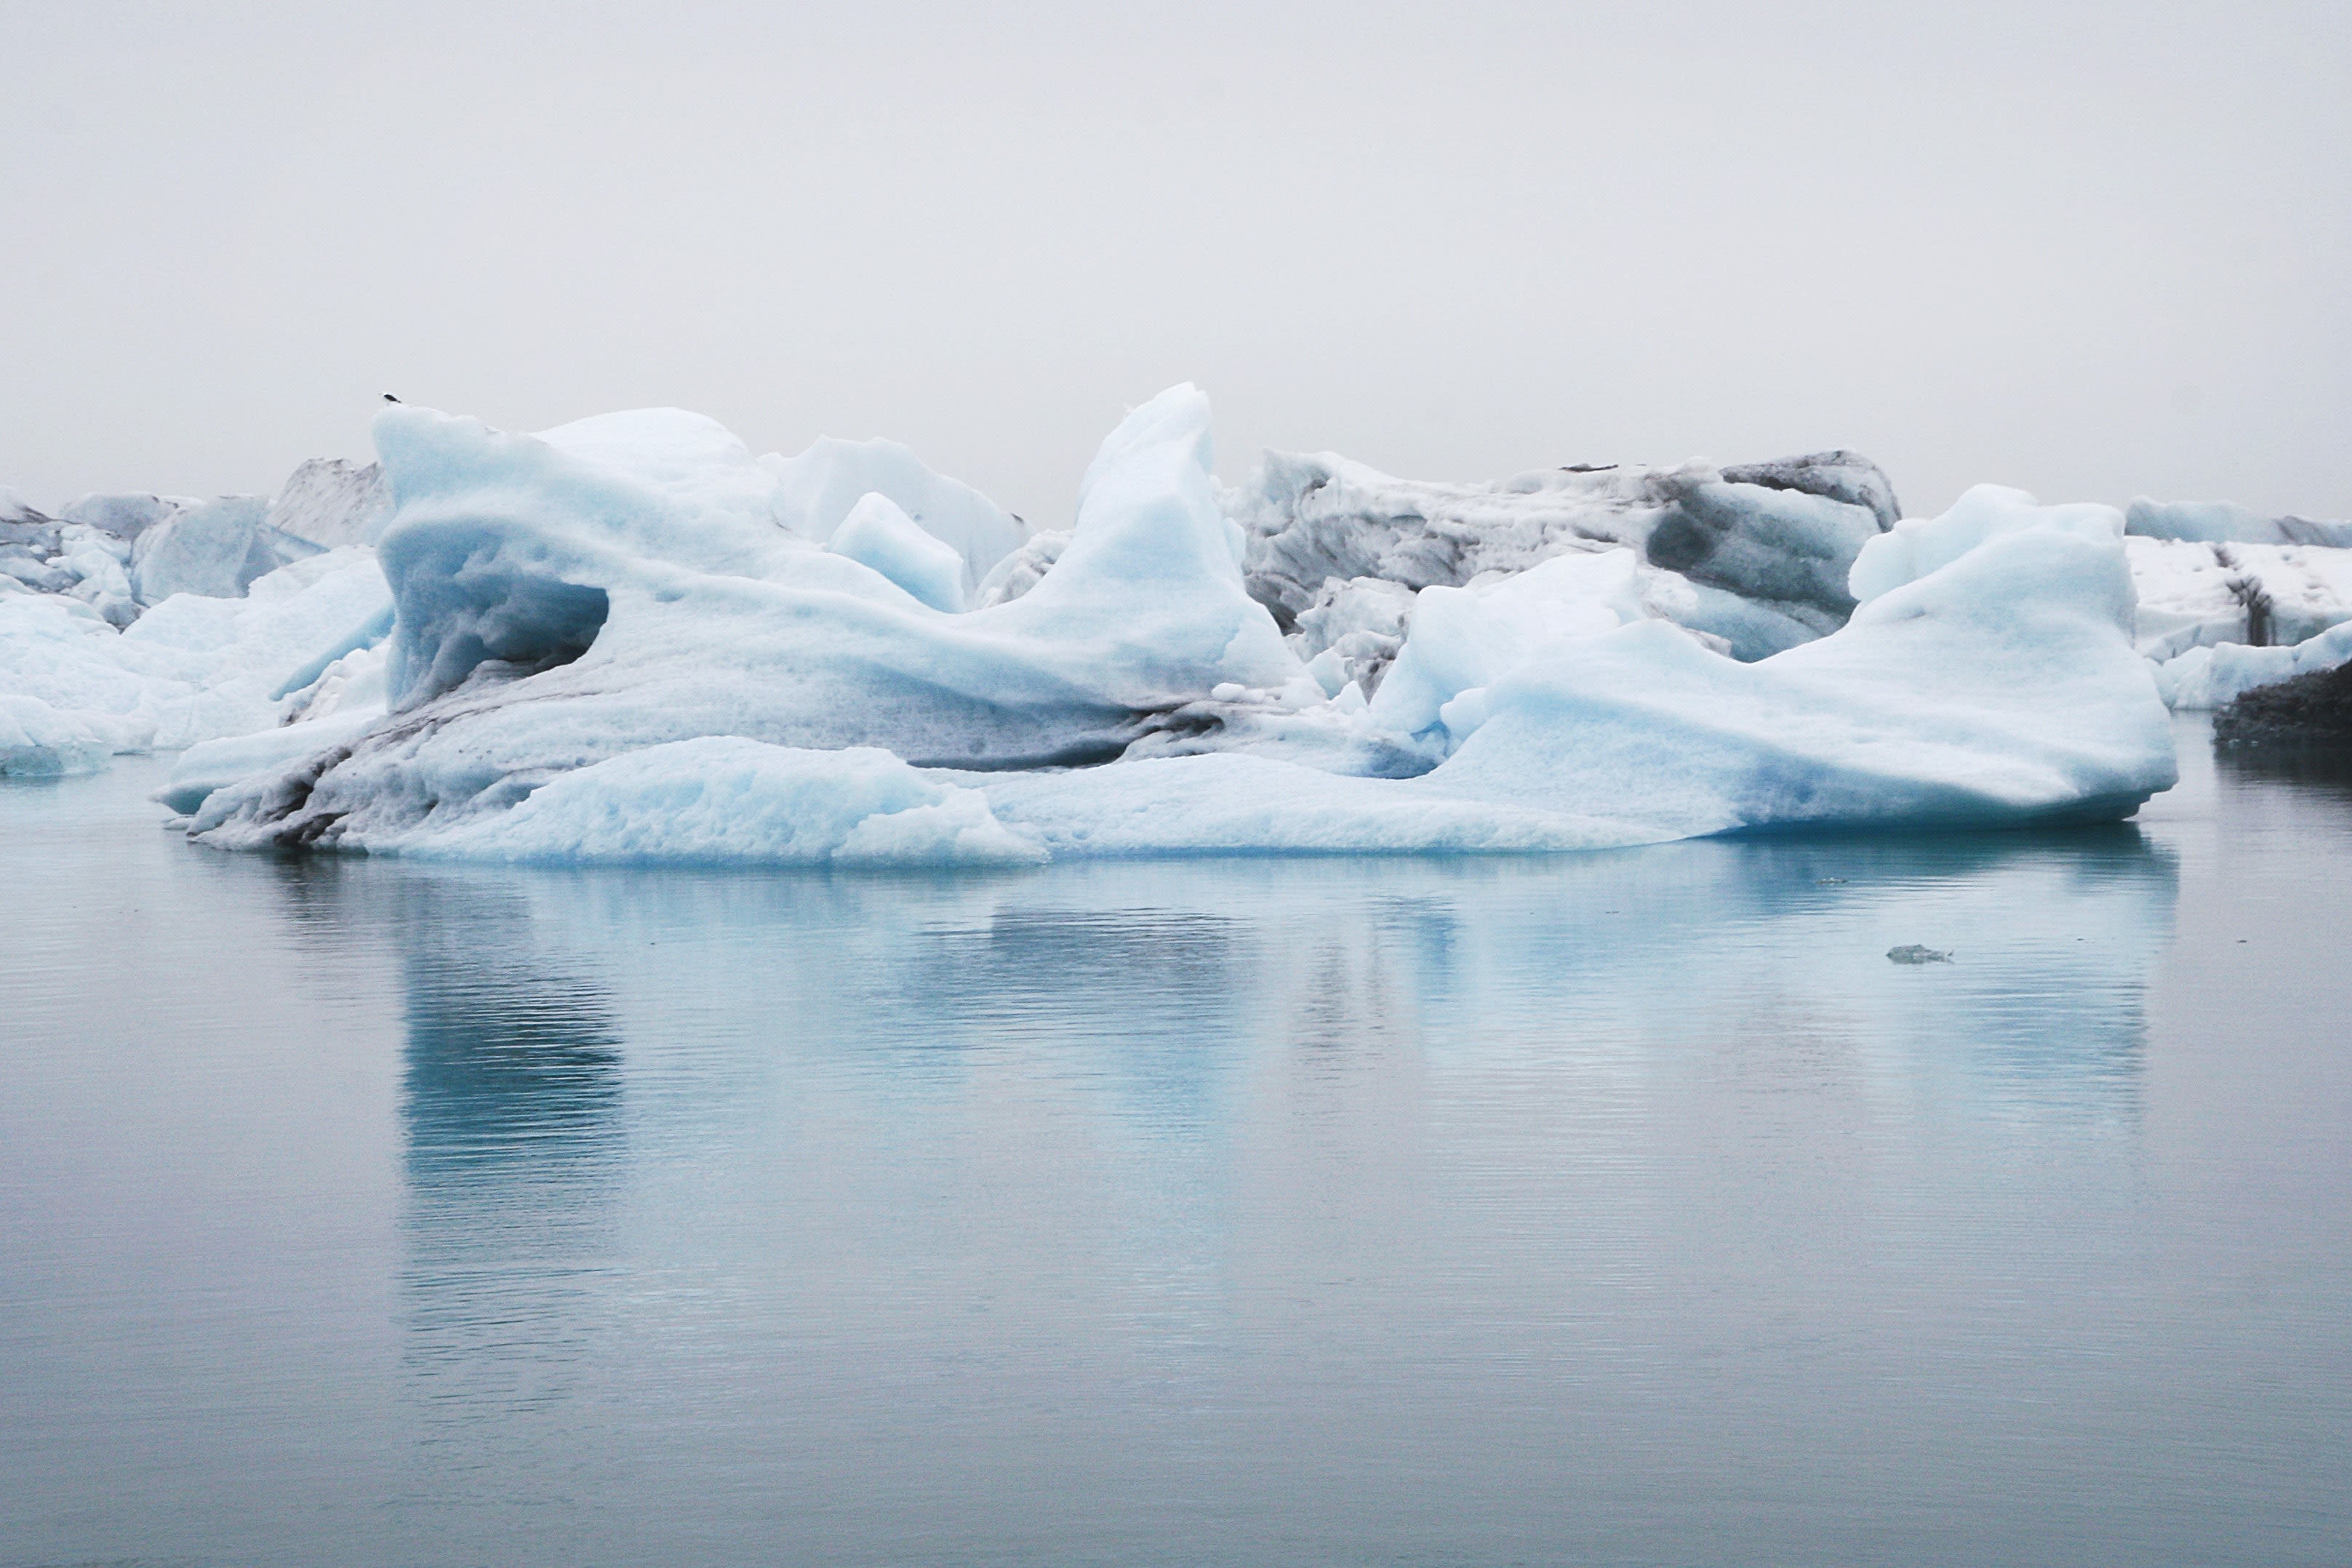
point(2312, 710)
point(125, 516)
point(1762, 559)
point(1022, 570)
point(569, 598)
point(611, 645)
point(1464, 639)
point(194, 668)
point(1841, 475)
point(2226, 522)
point(209, 765)
point(39, 554)
point(331, 503)
point(1987, 675)
point(38, 741)
point(1998, 686)
point(2196, 594)
point(2208, 677)
point(723, 799)
point(215, 547)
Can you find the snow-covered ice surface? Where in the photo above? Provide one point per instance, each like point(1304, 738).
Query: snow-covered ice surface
point(2199, 594)
point(2210, 678)
point(623, 639)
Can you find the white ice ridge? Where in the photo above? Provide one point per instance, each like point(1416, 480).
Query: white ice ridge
point(620, 640)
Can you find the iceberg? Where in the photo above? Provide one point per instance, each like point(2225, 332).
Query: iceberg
point(194, 668)
point(1986, 676)
point(817, 491)
point(1757, 555)
point(126, 516)
point(629, 639)
point(2211, 677)
point(330, 502)
point(877, 533)
point(2226, 522)
point(37, 740)
point(1463, 639)
point(2196, 594)
point(609, 587)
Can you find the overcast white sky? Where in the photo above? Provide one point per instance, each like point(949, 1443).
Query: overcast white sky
point(2091, 249)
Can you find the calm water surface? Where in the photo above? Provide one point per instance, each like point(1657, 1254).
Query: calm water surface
point(1620, 1208)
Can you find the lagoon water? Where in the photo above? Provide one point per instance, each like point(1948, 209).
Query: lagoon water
point(1627, 1207)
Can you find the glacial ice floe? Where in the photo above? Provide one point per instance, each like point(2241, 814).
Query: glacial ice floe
point(2196, 594)
point(630, 638)
point(624, 641)
point(38, 741)
point(2210, 677)
point(331, 503)
point(194, 667)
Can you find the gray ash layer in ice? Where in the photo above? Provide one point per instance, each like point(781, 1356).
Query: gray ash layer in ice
point(331, 503)
point(1755, 556)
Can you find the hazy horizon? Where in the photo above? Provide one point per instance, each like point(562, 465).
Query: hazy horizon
point(2091, 250)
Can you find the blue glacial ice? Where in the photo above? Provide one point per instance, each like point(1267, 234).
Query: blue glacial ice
point(630, 640)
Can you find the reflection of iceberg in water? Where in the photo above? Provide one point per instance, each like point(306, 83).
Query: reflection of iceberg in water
point(1756, 948)
point(1161, 984)
point(510, 1105)
point(2244, 770)
point(2042, 1010)
point(1163, 987)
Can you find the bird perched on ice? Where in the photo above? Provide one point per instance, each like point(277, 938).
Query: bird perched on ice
point(388, 398)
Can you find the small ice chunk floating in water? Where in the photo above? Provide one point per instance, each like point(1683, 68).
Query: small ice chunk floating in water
point(630, 640)
point(1913, 952)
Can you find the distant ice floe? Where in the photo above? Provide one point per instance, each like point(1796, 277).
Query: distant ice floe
point(2206, 678)
point(2231, 601)
point(194, 667)
point(2225, 523)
